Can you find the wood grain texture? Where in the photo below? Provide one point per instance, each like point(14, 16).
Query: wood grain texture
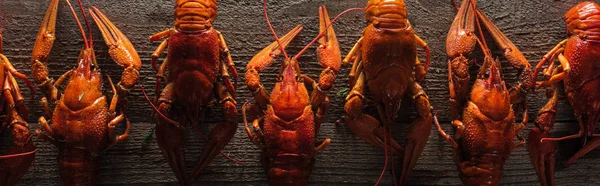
point(534, 26)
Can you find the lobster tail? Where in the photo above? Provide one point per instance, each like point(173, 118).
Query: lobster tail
point(195, 15)
point(583, 17)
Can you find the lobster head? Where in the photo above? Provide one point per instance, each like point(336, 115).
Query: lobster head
point(490, 94)
point(289, 97)
point(582, 17)
point(195, 15)
point(386, 13)
point(85, 83)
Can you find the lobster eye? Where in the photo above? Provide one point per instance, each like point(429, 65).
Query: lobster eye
point(93, 66)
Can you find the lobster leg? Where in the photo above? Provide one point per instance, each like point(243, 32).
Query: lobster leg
point(161, 35)
point(14, 87)
point(161, 48)
point(170, 137)
point(421, 71)
point(160, 71)
point(542, 153)
point(526, 83)
point(353, 55)
point(519, 128)
point(557, 76)
point(120, 49)
point(229, 66)
point(319, 98)
point(160, 76)
point(41, 50)
point(418, 132)
point(364, 126)
point(589, 146)
point(442, 133)
point(111, 130)
point(255, 133)
point(116, 120)
point(220, 134)
point(550, 56)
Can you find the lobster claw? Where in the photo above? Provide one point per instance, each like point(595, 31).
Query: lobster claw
point(41, 50)
point(120, 49)
point(328, 52)
point(329, 49)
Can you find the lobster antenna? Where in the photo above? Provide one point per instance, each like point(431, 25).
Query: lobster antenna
point(478, 25)
point(273, 30)
point(18, 155)
point(0, 41)
point(85, 19)
point(79, 24)
point(389, 135)
point(385, 149)
point(455, 5)
point(325, 31)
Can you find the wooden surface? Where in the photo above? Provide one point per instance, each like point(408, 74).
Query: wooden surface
point(535, 26)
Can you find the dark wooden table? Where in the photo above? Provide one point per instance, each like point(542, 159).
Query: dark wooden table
point(535, 26)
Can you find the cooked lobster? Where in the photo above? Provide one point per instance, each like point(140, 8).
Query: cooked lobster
point(285, 123)
point(484, 123)
point(386, 63)
point(576, 76)
point(83, 119)
point(199, 67)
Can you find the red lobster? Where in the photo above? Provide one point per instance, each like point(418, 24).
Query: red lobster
point(386, 62)
point(20, 155)
point(199, 66)
point(485, 128)
point(578, 72)
point(83, 120)
point(285, 124)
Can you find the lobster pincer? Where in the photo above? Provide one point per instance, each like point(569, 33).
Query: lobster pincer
point(121, 50)
point(330, 58)
point(41, 50)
